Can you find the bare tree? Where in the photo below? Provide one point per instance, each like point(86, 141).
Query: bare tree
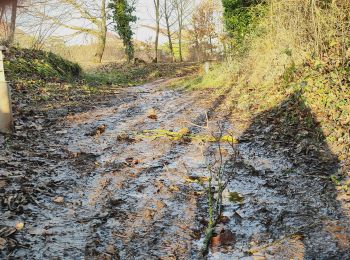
point(204, 29)
point(158, 16)
point(13, 20)
point(77, 16)
point(168, 11)
point(183, 11)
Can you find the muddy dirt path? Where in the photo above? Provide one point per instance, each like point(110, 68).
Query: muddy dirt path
point(87, 186)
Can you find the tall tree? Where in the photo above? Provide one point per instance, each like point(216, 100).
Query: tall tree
point(123, 17)
point(157, 12)
point(13, 20)
point(204, 28)
point(183, 11)
point(168, 11)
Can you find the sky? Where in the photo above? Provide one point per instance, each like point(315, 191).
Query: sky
point(144, 12)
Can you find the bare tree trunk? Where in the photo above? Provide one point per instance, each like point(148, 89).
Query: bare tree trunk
point(171, 44)
point(157, 7)
point(180, 16)
point(211, 46)
point(167, 18)
point(13, 21)
point(180, 44)
point(101, 38)
point(198, 51)
point(101, 44)
point(2, 13)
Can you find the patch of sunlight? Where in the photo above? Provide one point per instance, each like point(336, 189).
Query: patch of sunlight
point(184, 135)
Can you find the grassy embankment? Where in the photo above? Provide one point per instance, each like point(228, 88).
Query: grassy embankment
point(290, 53)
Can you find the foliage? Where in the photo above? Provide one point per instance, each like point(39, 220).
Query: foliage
point(204, 29)
point(241, 17)
point(39, 65)
point(123, 17)
point(218, 78)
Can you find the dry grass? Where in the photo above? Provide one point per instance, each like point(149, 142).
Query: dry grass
point(300, 45)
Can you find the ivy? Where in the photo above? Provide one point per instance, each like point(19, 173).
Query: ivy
point(123, 17)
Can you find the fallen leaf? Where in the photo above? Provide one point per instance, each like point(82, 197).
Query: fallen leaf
point(226, 237)
point(3, 184)
point(215, 241)
point(184, 131)
point(19, 226)
point(3, 243)
point(58, 200)
point(224, 219)
point(174, 188)
point(112, 250)
point(152, 114)
point(129, 160)
point(99, 130)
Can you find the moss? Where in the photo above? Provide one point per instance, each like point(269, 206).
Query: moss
point(39, 65)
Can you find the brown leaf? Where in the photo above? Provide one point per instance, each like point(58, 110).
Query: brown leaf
point(99, 130)
point(58, 200)
point(226, 237)
point(152, 114)
point(3, 243)
point(224, 219)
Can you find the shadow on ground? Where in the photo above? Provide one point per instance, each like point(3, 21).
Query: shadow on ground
point(290, 208)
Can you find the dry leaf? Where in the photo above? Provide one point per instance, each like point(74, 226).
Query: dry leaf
point(3, 243)
point(19, 226)
point(58, 200)
point(152, 114)
point(184, 131)
point(226, 237)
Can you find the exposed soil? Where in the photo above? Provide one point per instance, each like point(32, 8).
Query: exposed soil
point(88, 185)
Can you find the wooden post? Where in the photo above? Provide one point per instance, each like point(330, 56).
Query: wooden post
point(206, 67)
point(6, 120)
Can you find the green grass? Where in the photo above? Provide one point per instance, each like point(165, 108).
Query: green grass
point(218, 77)
point(131, 75)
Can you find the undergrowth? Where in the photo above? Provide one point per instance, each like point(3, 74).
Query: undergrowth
point(131, 75)
point(297, 47)
point(37, 65)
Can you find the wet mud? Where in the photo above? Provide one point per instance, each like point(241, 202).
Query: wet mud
point(87, 185)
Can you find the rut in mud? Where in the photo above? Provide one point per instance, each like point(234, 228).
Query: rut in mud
point(87, 186)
